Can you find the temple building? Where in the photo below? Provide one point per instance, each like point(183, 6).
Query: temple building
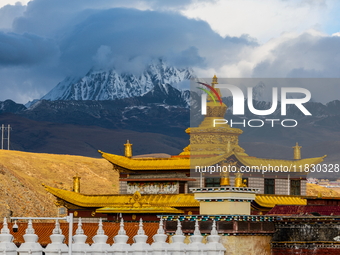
point(151, 186)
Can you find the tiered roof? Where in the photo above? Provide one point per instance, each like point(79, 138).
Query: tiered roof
point(155, 203)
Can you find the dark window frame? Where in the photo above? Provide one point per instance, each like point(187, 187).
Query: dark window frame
point(295, 187)
point(269, 186)
point(212, 182)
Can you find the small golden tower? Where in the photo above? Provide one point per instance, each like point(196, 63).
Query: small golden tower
point(214, 81)
point(238, 179)
point(297, 151)
point(76, 184)
point(128, 149)
point(225, 181)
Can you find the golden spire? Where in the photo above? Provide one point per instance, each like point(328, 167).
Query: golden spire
point(76, 183)
point(128, 149)
point(214, 81)
point(297, 151)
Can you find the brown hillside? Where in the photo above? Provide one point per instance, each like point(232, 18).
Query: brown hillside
point(22, 175)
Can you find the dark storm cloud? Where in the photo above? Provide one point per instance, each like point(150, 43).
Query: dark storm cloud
point(131, 36)
point(47, 17)
point(68, 38)
point(25, 49)
point(306, 56)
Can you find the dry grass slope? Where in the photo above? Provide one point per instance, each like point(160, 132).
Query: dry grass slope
point(23, 173)
point(316, 190)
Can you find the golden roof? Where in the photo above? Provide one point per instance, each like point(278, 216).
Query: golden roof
point(160, 163)
point(155, 203)
point(149, 209)
point(294, 165)
point(265, 200)
point(187, 163)
point(119, 200)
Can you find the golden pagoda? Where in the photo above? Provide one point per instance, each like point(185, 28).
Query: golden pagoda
point(151, 185)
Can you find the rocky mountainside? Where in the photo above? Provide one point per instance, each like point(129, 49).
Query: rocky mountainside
point(22, 175)
point(10, 106)
point(111, 85)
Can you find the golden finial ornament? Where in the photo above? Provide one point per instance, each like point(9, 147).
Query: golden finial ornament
point(228, 146)
point(225, 180)
point(297, 151)
point(238, 179)
point(128, 149)
point(76, 183)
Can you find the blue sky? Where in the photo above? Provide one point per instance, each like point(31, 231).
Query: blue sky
point(43, 41)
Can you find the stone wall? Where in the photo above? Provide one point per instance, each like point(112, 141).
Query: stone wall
point(257, 183)
point(247, 245)
point(281, 187)
point(303, 187)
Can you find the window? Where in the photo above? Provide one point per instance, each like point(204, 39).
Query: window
point(62, 210)
point(182, 189)
point(269, 186)
point(212, 182)
point(295, 187)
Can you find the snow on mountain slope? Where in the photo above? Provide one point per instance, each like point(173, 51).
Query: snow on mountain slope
point(110, 85)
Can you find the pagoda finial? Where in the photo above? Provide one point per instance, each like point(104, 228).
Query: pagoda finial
point(121, 229)
point(141, 230)
point(100, 230)
point(79, 231)
point(57, 229)
point(297, 151)
point(5, 229)
point(128, 149)
point(160, 229)
point(214, 81)
point(179, 228)
point(30, 229)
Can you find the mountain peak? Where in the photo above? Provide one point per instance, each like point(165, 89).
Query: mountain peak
point(111, 85)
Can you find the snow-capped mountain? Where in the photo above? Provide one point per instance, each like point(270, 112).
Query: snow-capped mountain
point(111, 85)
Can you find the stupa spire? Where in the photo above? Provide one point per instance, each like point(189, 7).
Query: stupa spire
point(79, 230)
point(121, 229)
point(5, 229)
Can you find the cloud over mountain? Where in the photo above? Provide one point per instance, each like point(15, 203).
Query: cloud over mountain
point(50, 40)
